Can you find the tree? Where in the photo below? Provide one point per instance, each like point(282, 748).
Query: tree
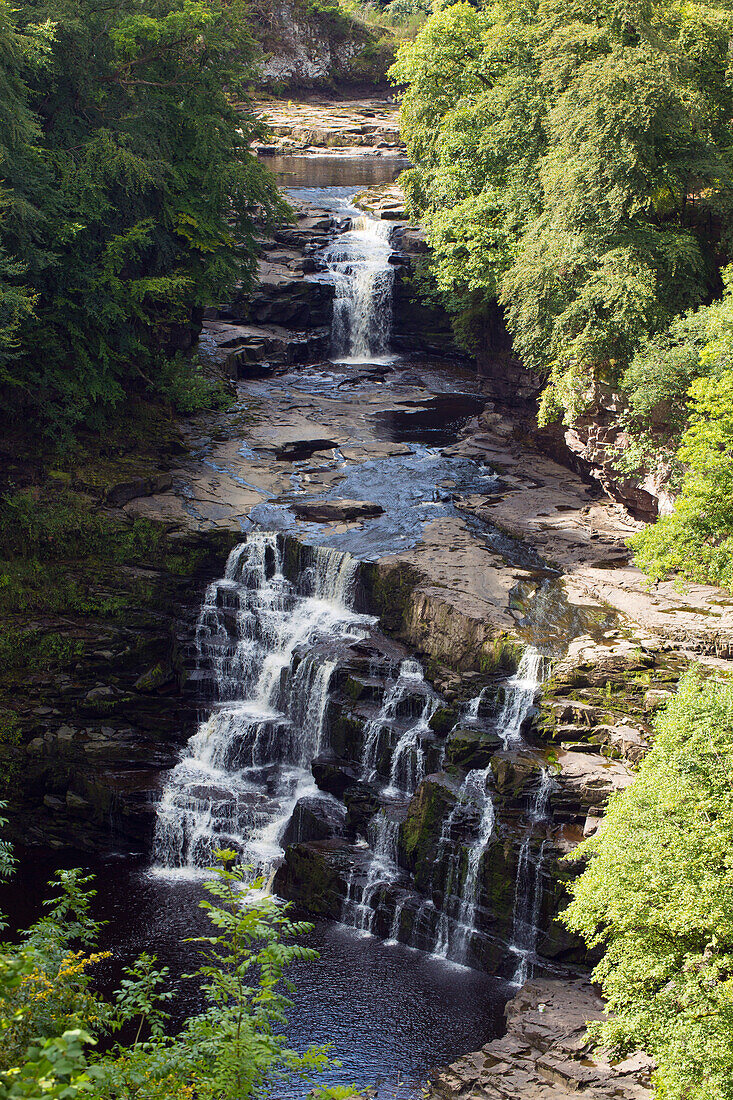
point(52, 1018)
point(657, 897)
point(144, 196)
point(573, 161)
point(695, 540)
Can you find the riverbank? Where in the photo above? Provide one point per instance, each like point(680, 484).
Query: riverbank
point(363, 678)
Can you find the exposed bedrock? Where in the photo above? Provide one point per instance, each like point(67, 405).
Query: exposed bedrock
point(544, 1054)
point(94, 742)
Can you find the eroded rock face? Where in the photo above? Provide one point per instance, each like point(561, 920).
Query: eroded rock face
point(544, 1054)
point(94, 742)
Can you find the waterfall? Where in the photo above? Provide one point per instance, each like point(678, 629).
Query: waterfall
point(395, 760)
point(528, 888)
point(265, 652)
point(406, 751)
point(519, 696)
point(458, 919)
point(409, 702)
point(359, 262)
point(358, 909)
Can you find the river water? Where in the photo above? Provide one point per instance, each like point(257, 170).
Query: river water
point(391, 1012)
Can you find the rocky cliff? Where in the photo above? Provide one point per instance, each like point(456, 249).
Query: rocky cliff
point(316, 44)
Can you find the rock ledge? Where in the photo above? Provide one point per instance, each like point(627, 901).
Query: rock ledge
point(544, 1054)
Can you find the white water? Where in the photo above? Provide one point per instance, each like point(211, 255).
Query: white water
point(454, 933)
point(528, 885)
point(358, 261)
point(267, 649)
point(406, 749)
point(520, 692)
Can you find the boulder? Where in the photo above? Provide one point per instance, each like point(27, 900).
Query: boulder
point(314, 818)
point(335, 511)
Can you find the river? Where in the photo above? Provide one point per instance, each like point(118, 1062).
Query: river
point(270, 649)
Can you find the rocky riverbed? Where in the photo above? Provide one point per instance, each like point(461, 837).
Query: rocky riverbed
point(436, 597)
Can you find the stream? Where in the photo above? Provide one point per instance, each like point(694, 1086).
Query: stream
point(317, 729)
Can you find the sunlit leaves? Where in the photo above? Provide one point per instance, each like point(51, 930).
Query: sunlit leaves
point(657, 894)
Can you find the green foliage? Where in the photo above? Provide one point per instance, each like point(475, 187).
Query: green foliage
point(657, 896)
point(696, 539)
point(573, 162)
point(53, 1019)
point(190, 390)
point(128, 195)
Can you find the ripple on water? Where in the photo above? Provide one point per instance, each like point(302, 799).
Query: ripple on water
point(389, 1012)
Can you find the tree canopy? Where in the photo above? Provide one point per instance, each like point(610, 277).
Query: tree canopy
point(129, 198)
point(573, 160)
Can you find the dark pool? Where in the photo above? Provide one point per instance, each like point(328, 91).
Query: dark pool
point(391, 1014)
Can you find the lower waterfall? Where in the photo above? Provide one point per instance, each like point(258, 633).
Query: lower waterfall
point(445, 927)
point(528, 885)
point(265, 655)
point(275, 657)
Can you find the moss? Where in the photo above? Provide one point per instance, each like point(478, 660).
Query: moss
point(443, 720)
point(467, 749)
point(353, 688)
point(420, 831)
point(502, 654)
point(346, 734)
point(389, 590)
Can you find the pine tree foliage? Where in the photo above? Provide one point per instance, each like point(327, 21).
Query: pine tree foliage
point(130, 198)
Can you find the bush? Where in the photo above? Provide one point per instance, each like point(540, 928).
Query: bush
point(53, 1019)
point(657, 896)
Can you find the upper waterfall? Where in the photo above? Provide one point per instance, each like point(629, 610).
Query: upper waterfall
point(359, 262)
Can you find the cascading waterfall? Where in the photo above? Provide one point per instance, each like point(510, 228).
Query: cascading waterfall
point(528, 888)
point(519, 696)
point(457, 922)
point(265, 650)
point(358, 910)
point(407, 694)
point(359, 262)
point(407, 753)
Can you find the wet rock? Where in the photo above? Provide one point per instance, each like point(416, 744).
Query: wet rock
point(296, 449)
point(314, 819)
point(443, 720)
point(312, 877)
point(514, 772)
point(334, 511)
point(362, 802)
point(469, 748)
point(333, 777)
point(419, 834)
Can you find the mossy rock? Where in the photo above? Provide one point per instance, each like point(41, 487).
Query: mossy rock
point(443, 720)
point(388, 591)
point(513, 773)
point(361, 805)
point(469, 749)
point(154, 678)
point(501, 654)
point(345, 733)
point(419, 834)
point(309, 880)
